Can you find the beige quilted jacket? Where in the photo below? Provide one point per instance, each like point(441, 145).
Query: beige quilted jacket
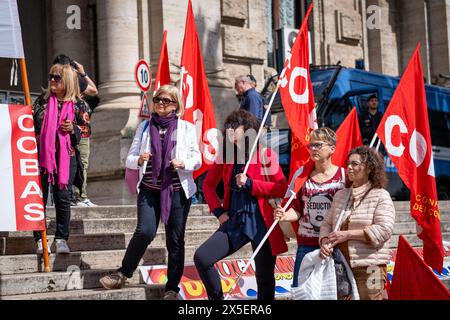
point(375, 215)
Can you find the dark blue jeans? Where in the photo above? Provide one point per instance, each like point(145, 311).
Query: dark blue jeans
point(149, 212)
point(301, 252)
point(61, 198)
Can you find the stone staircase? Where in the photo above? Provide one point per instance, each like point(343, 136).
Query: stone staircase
point(99, 237)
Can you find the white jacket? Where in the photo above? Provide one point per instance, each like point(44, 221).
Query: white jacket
point(186, 149)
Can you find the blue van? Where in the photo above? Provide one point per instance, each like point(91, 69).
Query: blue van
point(338, 89)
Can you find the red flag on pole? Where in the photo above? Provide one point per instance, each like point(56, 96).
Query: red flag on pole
point(163, 73)
point(405, 133)
point(196, 97)
point(348, 137)
point(297, 97)
point(413, 279)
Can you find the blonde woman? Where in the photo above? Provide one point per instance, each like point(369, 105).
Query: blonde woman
point(316, 195)
point(56, 113)
point(165, 151)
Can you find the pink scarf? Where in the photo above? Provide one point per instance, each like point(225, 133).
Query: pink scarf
point(51, 128)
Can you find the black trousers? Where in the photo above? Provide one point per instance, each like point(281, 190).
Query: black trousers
point(149, 212)
point(216, 248)
point(62, 202)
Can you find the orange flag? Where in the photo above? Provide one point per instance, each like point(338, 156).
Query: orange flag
point(413, 279)
point(297, 97)
point(405, 133)
point(348, 137)
point(163, 73)
point(196, 97)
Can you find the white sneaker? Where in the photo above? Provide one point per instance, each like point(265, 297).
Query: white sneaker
point(86, 203)
point(61, 246)
point(39, 248)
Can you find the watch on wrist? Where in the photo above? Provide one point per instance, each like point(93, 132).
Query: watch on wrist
point(84, 75)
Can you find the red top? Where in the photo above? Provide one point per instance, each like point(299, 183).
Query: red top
point(264, 187)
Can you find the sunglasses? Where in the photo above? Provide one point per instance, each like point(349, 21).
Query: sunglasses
point(317, 146)
point(165, 101)
point(54, 77)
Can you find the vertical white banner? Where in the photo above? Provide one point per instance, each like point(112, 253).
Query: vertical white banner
point(11, 45)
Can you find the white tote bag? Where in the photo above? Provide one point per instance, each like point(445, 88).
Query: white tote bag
point(317, 276)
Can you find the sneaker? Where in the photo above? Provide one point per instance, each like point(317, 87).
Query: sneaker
point(73, 203)
point(194, 199)
point(61, 246)
point(115, 280)
point(86, 203)
point(171, 295)
point(39, 248)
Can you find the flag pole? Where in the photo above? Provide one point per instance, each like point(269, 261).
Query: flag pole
point(375, 136)
point(266, 114)
point(292, 197)
point(26, 91)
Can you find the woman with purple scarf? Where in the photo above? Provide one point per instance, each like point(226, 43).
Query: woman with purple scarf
point(57, 135)
point(165, 150)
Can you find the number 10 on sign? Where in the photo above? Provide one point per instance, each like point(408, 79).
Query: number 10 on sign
point(143, 75)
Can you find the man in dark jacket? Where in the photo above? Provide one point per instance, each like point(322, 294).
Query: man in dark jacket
point(252, 101)
point(370, 119)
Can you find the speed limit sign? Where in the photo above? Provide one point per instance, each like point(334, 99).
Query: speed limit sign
point(143, 75)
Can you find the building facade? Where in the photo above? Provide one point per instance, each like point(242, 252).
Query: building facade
point(237, 37)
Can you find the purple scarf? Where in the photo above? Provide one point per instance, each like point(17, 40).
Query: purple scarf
point(161, 157)
point(51, 128)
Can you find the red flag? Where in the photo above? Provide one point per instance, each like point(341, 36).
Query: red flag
point(196, 97)
point(405, 133)
point(163, 73)
point(348, 137)
point(413, 279)
point(297, 97)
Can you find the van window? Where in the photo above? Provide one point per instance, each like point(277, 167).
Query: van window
point(336, 113)
point(439, 127)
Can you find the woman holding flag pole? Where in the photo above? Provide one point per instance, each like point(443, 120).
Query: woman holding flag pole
point(315, 196)
point(245, 214)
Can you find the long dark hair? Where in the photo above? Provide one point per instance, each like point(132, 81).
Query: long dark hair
point(234, 120)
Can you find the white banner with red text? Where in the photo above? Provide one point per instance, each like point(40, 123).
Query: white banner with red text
point(20, 185)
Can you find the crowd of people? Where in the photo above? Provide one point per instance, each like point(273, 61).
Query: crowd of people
point(166, 153)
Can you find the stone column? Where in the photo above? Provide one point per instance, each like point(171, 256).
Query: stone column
point(439, 30)
point(115, 120)
point(383, 48)
point(64, 25)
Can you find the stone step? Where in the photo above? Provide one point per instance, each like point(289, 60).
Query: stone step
point(444, 206)
point(95, 242)
point(405, 216)
point(116, 225)
point(76, 279)
point(123, 211)
point(410, 227)
point(134, 292)
point(54, 281)
point(107, 259)
point(414, 240)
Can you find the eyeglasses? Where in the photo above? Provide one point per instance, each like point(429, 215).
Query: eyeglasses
point(54, 77)
point(353, 164)
point(232, 125)
point(317, 145)
point(165, 101)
